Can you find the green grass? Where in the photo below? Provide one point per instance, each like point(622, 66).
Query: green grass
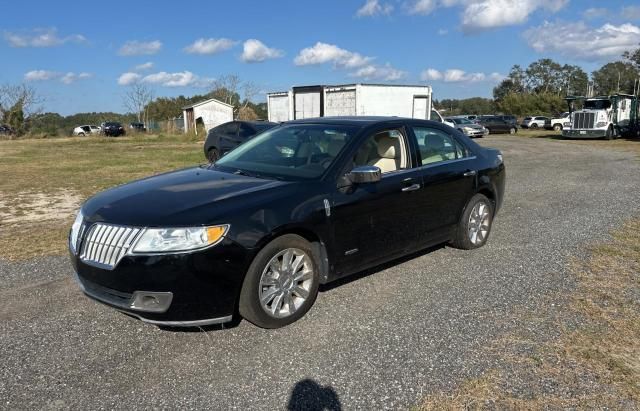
point(76, 168)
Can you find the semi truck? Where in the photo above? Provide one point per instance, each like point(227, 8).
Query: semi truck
point(606, 117)
point(413, 101)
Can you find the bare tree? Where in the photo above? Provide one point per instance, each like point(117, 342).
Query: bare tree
point(18, 102)
point(137, 99)
point(250, 90)
point(226, 89)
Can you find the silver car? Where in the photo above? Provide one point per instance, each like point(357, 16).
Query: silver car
point(468, 127)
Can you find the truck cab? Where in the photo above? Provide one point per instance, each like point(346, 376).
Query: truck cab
point(607, 116)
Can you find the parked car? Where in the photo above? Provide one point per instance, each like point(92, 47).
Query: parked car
point(86, 130)
point(227, 136)
point(468, 127)
point(509, 119)
point(113, 129)
point(302, 204)
point(534, 122)
point(137, 127)
point(496, 125)
point(6, 130)
point(557, 124)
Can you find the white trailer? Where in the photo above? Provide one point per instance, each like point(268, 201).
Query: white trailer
point(411, 101)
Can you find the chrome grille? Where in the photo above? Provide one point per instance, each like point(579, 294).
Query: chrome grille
point(106, 244)
point(584, 120)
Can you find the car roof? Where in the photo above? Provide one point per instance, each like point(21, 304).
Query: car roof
point(361, 121)
point(258, 122)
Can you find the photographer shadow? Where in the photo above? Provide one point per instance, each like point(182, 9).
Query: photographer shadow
point(309, 395)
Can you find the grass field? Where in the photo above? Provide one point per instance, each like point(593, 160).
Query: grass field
point(45, 180)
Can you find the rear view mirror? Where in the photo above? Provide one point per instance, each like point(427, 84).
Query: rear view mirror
point(365, 174)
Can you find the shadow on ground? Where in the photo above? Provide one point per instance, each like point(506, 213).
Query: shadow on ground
point(308, 395)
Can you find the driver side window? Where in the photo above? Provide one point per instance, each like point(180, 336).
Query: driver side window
point(386, 150)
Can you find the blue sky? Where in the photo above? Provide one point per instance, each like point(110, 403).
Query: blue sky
point(82, 55)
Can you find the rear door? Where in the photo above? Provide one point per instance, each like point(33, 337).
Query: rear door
point(447, 170)
point(229, 136)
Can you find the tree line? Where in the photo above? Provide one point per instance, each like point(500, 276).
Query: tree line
point(541, 87)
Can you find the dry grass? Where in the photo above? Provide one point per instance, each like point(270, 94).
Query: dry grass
point(43, 181)
point(621, 144)
point(595, 360)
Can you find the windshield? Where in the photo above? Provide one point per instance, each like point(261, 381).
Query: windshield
point(299, 151)
point(597, 104)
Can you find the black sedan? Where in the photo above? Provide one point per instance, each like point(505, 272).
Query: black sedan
point(497, 125)
point(300, 205)
point(113, 129)
point(227, 136)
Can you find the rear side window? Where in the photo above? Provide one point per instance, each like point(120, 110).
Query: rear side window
point(246, 131)
point(228, 128)
point(436, 146)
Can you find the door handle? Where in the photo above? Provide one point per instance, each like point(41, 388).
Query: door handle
point(470, 173)
point(412, 187)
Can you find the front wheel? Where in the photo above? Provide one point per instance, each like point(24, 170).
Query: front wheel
point(475, 224)
point(512, 130)
point(281, 284)
point(609, 134)
point(557, 127)
point(534, 125)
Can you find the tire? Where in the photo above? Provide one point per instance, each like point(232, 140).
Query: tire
point(488, 130)
point(264, 284)
point(467, 227)
point(513, 130)
point(81, 134)
point(534, 125)
point(213, 155)
point(557, 127)
point(609, 134)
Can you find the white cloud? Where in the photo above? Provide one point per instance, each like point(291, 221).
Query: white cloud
point(443, 32)
point(210, 46)
point(595, 12)
point(577, 40)
point(128, 78)
point(41, 38)
point(373, 72)
point(255, 51)
point(373, 8)
point(431, 74)
point(322, 53)
point(66, 78)
point(487, 14)
point(71, 77)
point(140, 48)
point(459, 76)
point(423, 7)
point(144, 66)
point(631, 12)
point(41, 75)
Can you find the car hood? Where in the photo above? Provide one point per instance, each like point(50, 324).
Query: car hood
point(190, 197)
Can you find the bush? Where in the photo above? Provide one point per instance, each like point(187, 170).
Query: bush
point(522, 104)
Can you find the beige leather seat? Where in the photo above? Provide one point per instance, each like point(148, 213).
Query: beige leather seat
point(389, 153)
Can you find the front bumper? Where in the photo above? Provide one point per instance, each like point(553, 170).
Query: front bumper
point(584, 133)
point(190, 289)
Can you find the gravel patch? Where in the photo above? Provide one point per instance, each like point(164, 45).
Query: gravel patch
point(381, 340)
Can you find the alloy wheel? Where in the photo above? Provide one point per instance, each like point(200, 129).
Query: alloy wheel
point(285, 283)
point(479, 222)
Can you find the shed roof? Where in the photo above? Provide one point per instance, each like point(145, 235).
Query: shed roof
point(205, 102)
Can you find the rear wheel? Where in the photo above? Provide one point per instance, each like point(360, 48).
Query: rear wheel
point(81, 134)
point(213, 155)
point(281, 284)
point(475, 224)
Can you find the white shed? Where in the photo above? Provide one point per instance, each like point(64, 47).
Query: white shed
point(210, 113)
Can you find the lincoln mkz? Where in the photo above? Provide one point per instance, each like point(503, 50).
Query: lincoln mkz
point(302, 204)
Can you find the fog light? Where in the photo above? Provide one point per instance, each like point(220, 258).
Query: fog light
point(153, 302)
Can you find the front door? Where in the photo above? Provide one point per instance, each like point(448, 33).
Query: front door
point(374, 221)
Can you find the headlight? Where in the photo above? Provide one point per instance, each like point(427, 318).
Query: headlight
point(159, 240)
point(75, 231)
point(601, 123)
point(468, 129)
point(567, 124)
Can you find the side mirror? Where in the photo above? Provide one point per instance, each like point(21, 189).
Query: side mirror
point(365, 174)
